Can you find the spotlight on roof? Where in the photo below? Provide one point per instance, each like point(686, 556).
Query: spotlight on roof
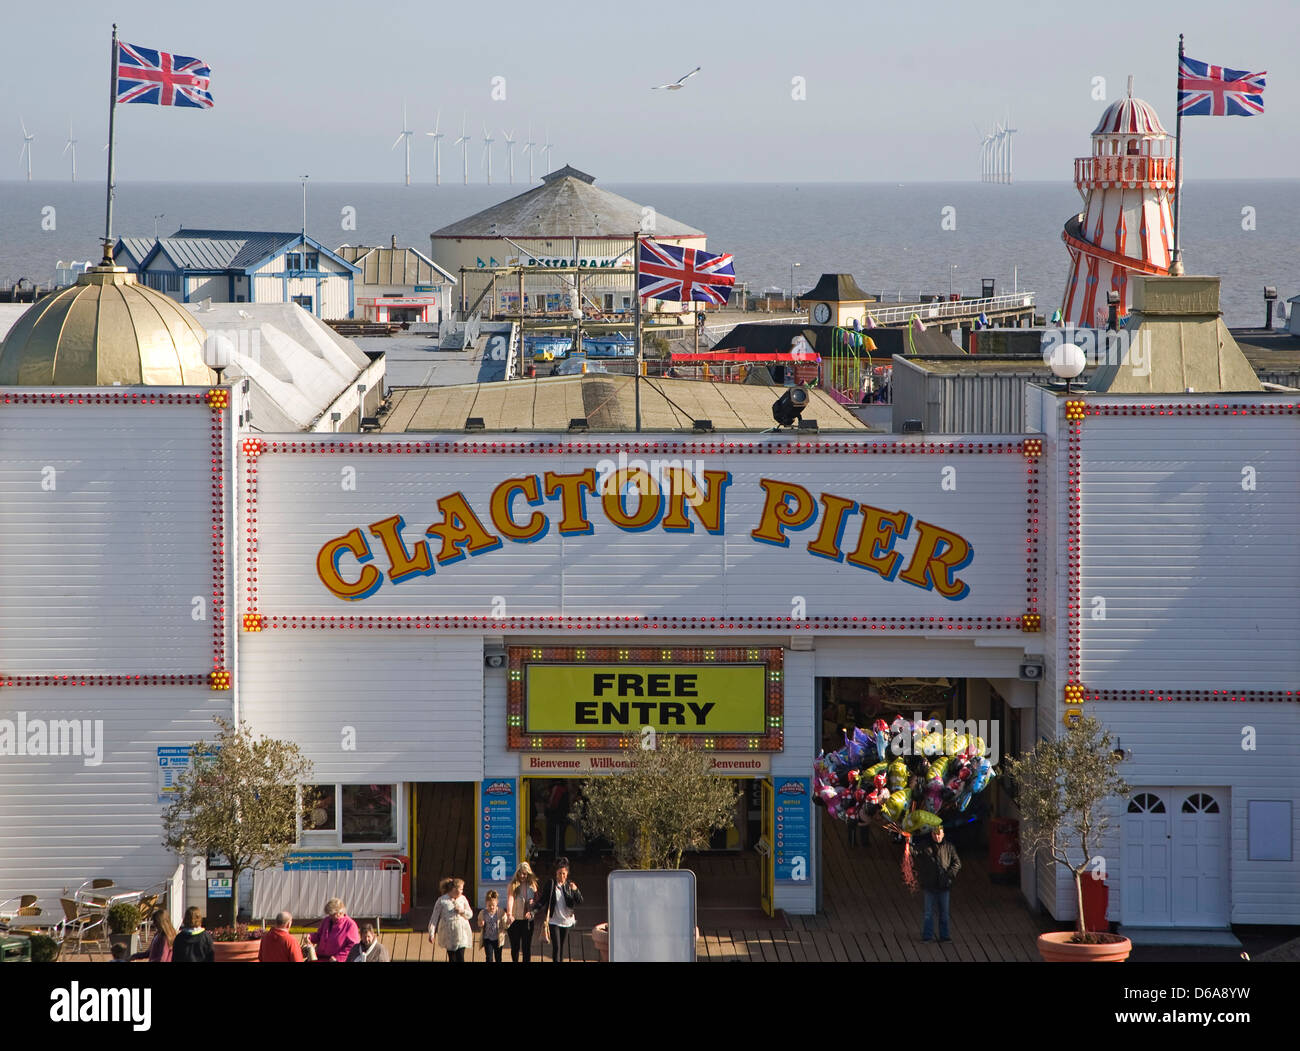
point(913, 427)
point(578, 423)
point(807, 425)
point(790, 406)
point(474, 423)
point(702, 426)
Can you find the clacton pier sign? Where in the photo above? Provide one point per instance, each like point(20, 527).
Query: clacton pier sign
point(843, 533)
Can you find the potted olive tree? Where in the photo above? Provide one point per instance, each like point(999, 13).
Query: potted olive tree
point(1063, 789)
point(666, 803)
point(124, 926)
point(241, 797)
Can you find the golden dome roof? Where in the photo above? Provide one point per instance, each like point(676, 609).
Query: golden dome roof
point(105, 329)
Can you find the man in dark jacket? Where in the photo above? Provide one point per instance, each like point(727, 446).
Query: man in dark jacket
point(937, 865)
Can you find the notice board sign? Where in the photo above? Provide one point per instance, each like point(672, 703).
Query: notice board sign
point(498, 829)
point(793, 831)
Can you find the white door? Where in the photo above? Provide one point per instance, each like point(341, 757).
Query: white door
point(1145, 897)
point(1201, 858)
point(1175, 860)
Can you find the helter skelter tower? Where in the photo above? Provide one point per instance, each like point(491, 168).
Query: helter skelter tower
point(1126, 227)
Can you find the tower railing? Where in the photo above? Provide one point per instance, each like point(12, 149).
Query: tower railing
point(1106, 169)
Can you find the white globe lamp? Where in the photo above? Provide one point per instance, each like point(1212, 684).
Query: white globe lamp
point(1066, 362)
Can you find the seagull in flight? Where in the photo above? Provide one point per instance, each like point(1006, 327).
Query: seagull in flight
point(679, 83)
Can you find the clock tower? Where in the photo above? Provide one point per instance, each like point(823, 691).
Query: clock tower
point(837, 300)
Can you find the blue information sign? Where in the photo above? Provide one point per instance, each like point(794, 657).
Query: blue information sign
point(793, 830)
point(498, 829)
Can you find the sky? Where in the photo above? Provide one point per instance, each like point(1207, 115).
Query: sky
point(832, 90)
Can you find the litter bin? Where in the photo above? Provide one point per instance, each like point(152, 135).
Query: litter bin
point(1004, 849)
point(221, 898)
point(1096, 898)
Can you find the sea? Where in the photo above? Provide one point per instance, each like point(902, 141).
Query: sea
point(897, 239)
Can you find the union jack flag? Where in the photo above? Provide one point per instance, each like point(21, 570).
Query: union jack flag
point(159, 78)
point(1215, 91)
point(681, 274)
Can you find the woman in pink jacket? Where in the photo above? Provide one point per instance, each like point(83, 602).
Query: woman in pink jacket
point(336, 934)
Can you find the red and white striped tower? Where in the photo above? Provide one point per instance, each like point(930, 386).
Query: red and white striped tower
point(1127, 185)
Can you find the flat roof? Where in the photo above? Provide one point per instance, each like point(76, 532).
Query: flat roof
point(606, 401)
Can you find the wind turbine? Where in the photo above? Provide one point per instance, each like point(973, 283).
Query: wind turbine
point(546, 150)
point(406, 134)
point(437, 149)
point(487, 151)
point(528, 149)
point(510, 155)
point(28, 137)
point(463, 143)
point(1008, 132)
point(72, 144)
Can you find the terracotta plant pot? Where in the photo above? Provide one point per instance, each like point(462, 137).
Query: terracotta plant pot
point(600, 938)
point(1056, 947)
point(235, 952)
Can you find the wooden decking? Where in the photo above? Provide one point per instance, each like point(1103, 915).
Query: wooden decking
point(868, 916)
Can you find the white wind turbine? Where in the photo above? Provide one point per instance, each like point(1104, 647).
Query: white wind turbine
point(528, 149)
point(26, 151)
point(437, 149)
point(1008, 131)
point(463, 143)
point(406, 134)
point(72, 144)
point(487, 151)
point(546, 150)
point(510, 155)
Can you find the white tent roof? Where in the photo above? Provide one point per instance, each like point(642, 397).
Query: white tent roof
point(296, 363)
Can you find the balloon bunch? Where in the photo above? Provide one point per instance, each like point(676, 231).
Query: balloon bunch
point(905, 775)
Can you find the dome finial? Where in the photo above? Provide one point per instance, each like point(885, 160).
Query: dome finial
point(1130, 85)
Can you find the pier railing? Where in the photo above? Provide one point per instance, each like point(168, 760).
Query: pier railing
point(958, 308)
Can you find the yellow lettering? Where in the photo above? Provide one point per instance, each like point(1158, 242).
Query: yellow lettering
point(778, 515)
point(875, 545)
point(402, 566)
point(573, 506)
point(707, 501)
point(650, 502)
point(939, 554)
point(460, 525)
point(502, 497)
point(327, 567)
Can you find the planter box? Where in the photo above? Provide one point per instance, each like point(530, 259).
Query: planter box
point(235, 952)
point(1056, 947)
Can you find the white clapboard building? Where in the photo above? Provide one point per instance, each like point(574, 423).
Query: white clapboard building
point(243, 266)
point(449, 623)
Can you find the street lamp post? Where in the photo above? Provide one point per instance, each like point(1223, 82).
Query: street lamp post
point(792, 266)
point(951, 268)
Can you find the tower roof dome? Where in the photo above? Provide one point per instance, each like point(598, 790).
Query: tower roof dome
point(1129, 116)
point(105, 329)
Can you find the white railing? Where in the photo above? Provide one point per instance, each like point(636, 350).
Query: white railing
point(948, 308)
point(715, 332)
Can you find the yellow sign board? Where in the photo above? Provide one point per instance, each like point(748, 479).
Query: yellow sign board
point(623, 698)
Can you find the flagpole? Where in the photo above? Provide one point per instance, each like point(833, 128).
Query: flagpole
point(112, 109)
point(636, 321)
point(1176, 262)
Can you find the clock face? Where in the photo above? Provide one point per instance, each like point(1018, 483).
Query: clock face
point(821, 313)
